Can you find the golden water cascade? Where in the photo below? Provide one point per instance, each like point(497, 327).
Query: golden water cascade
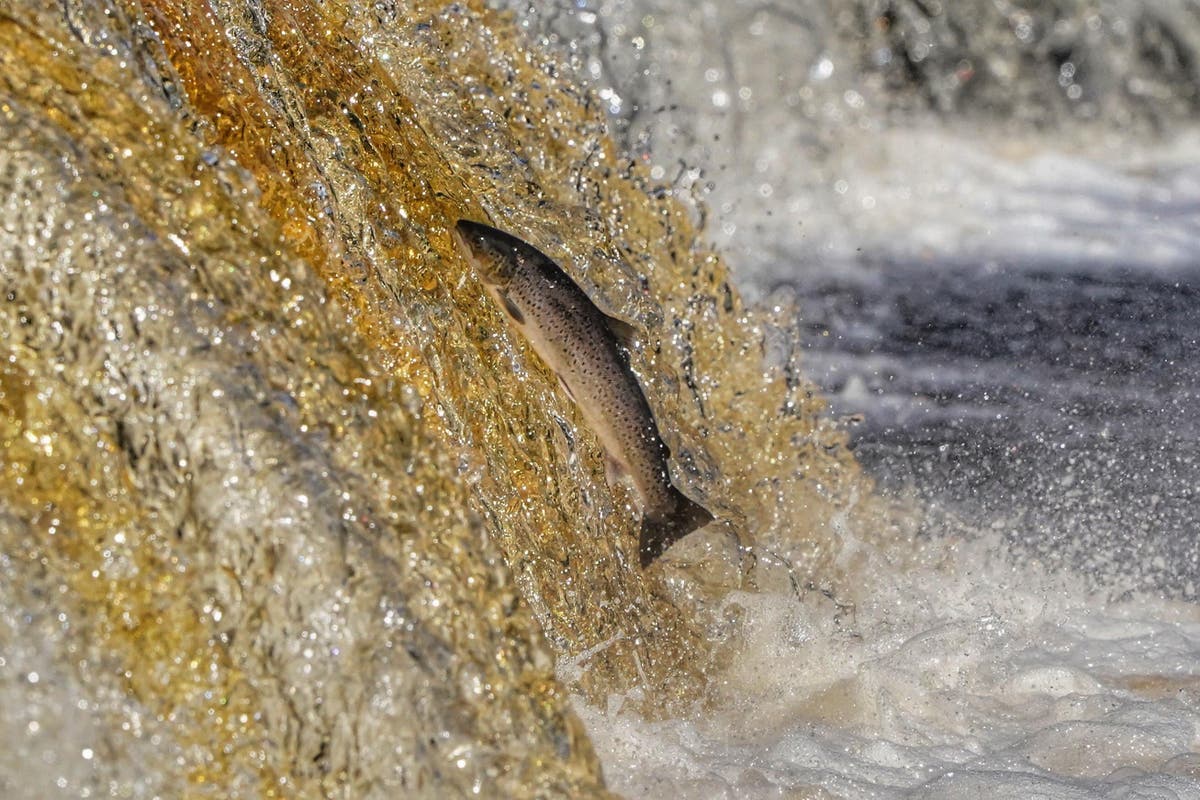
point(285, 509)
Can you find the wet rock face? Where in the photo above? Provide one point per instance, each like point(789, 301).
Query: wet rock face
point(1123, 62)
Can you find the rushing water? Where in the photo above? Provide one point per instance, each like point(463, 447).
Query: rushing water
point(285, 511)
point(988, 218)
point(286, 508)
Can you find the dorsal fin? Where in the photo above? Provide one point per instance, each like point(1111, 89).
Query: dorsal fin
point(626, 334)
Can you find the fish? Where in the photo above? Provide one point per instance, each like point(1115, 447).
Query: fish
point(589, 352)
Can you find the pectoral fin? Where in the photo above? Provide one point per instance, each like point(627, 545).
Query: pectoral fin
point(511, 308)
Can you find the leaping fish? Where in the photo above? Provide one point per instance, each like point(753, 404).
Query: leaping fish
point(582, 345)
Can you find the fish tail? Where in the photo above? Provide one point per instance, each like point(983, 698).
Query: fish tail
point(661, 531)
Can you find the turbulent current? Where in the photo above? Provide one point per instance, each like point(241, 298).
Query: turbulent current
point(288, 510)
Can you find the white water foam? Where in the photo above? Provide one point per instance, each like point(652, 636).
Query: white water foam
point(973, 676)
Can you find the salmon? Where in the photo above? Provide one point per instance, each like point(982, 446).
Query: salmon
point(587, 350)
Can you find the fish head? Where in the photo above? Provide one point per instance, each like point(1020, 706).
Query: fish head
point(494, 255)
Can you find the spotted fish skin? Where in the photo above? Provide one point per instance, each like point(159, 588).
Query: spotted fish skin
point(582, 346)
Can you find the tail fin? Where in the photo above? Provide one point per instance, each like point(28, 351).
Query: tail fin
point(660, 532)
